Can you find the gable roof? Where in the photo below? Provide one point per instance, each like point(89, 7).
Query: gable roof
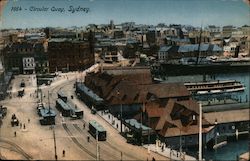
point(171, 127)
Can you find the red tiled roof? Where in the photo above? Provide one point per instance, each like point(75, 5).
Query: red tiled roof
point(153, 110)
point(166, 90)
point(165, 123)
point(190, 104)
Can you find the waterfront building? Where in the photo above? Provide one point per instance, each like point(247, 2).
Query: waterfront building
point(230, 45)
point(168, 106)
point(176, 122)
point(187, 54)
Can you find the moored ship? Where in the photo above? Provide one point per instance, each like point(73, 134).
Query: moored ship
point(215, 87)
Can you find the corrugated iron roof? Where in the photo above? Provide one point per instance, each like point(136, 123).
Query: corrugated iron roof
point(164, 48)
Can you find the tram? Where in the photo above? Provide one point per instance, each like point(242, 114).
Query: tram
point(76, 114)
point(62, 96)
point(95, 128)
point(89, 97)
point(63, 107)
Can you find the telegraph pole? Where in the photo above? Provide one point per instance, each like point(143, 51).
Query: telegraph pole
point(200, 132)
point(118, 93)
point(97, 148)
point(180, 142)
point(54, 136)
point(121, 117)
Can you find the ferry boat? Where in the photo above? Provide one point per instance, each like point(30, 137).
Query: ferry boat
point(215, 87)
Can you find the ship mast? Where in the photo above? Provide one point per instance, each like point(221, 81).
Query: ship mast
point(198, 52)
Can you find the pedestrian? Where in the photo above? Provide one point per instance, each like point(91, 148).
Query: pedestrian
point(15, 133)
point(153, 159)
point(28, 120)
point(88, 138)
point(63, 153)
point(20, 125)
point(83, 125)
point(23, 126)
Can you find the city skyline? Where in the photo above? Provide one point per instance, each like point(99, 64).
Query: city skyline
point(194, 12)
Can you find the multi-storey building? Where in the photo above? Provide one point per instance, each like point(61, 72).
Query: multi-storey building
point(16, 57)
point(69, 54)
point(23, 57)
point(227, 30)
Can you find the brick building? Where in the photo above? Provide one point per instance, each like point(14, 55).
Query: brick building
point(69, 55)
point(25, 57)
point(18, 56)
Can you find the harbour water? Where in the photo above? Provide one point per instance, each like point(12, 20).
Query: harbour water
point(244, 78)
point(228, 152)
point(232, 149)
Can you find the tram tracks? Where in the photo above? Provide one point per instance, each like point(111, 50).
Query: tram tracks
point(106, 152)
point(17, 148)
point(108, 144)
point(117, 151)
point(77, 142)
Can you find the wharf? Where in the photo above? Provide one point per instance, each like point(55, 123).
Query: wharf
point(222, 106)
point(228, 116)
point(244, 156)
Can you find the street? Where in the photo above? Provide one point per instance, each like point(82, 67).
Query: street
point(37, 142)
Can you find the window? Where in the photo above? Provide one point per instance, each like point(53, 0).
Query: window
point(190, 138)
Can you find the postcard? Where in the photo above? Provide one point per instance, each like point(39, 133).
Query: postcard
point(124, 79)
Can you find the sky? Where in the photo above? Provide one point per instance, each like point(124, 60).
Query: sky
point(186, 12)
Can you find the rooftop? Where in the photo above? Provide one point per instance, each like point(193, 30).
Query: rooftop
point(46, 112)
point(228, 116)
